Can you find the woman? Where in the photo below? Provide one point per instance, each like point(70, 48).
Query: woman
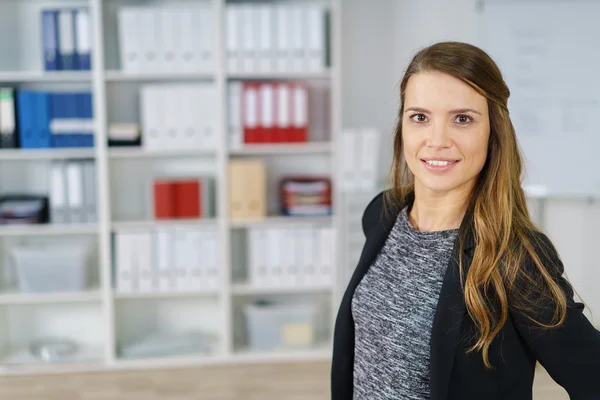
point(457, 294)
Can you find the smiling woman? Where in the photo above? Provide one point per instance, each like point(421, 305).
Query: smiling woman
point(457, 294)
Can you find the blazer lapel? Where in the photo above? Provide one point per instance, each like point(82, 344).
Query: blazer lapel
point(448, 320)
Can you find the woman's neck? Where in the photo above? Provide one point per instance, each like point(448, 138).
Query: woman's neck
point(432, 211)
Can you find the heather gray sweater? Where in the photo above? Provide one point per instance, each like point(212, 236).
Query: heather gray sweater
point(393, 309)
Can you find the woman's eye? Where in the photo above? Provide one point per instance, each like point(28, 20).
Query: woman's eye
point(463, 119)
point(418, 117)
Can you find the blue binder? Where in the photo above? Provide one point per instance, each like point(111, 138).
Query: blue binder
point(85, 113)
point(50, 39)
point(83, 59)
point(42, 119)
point(25, 119)
point(58, 112)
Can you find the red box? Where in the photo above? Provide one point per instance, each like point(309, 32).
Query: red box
point(164, 199)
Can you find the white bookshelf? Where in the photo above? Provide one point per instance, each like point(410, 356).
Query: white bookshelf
point(110, 317)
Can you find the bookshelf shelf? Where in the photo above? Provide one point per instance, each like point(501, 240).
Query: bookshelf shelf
point(45, 76)
point(280, 220)
point(283, 148)
point(16, 298)
point(164, 295)
point(279, 75)
point(244, 289)
point(117, 225)
point(48, 229)
point(46, 154)
point(123, 175)
point(120, 76)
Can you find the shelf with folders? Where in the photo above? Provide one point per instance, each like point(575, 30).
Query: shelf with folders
point(164, 245)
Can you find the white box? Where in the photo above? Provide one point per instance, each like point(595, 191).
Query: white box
point(280, 325)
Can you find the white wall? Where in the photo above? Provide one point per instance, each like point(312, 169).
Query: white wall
point(380, 37)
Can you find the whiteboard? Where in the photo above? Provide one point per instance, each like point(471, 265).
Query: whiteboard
point(549, 55)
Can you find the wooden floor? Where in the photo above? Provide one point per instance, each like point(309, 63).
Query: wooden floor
point(277, 382)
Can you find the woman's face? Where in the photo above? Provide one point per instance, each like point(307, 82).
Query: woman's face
point(445, 132)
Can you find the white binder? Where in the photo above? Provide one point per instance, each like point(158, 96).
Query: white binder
point(143, 262)
point(234, 97)
point(130, 50)
point(126, 276)
point(76, 208)
point(249, 38)
point(283, 43)
point(234, 38)
point(58, 193)
point(299, 36)
point(164, 256)
point(169, 59)
point(315, 44)
point(206, 42)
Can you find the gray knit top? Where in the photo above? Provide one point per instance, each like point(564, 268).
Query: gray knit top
point(393, 309)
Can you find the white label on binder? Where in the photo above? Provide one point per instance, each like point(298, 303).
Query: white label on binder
point(283, 105)
point(267, 104)
point(84, 31)
point(251, 108)
point(66, 40)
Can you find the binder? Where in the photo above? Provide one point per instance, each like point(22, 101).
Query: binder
point(250, 109)
point(283, 34)
point(148, 36)
point(85, 115)
point(126, 274)
point(173, 137)
point(305, 256)
point(206, 112)
point(58, 193)
point(66, 39)
point(165, 258)
point(275, 257)
point(153, 115)
point(266, 129)
point(212, 270)
point(234, 96)
point(183, 261)
point(249, 38)
point(27, 135)
point(326, 255)
point(142, 257)
point(8, 123)
point(298, 38)
point(188, 40)
point(266, 47)
point(89, 191)
point(315, 46)
point(41, 121)
point(234, 38)
point(50, 39)
point(299, 129)
point(163, 199)
point(130, 50)
point(83, 39)
point(205, 28)
point(75, 200)
point(288, 257)
point(195, 257)
point(283, 122)
point(169, 61)
point(187, 198)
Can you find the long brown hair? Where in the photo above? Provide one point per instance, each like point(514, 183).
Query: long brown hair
point(497, 214)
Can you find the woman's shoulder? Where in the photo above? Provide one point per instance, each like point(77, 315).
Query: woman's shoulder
point(381, 206)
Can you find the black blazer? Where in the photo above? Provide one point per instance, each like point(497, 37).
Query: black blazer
point(570, 354)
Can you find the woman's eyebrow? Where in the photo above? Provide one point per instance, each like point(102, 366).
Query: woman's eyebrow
point(453, 111)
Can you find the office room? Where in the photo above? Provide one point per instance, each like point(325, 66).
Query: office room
point(193, 199)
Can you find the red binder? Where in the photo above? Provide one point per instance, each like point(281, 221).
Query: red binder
point(250, 112)
point(187, 195)
point(164, 201)
point(283, 113)
point(267, 129)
